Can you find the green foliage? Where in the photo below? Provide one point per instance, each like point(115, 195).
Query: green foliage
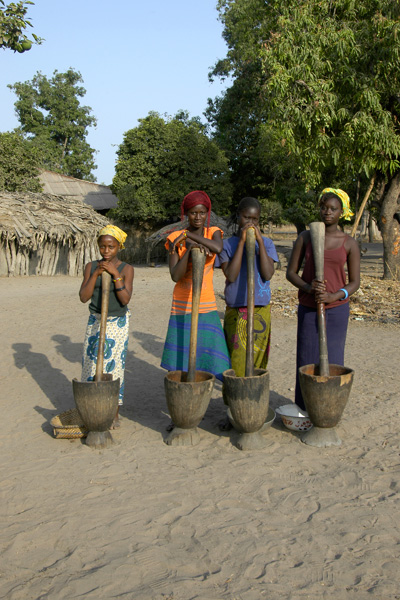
point(301, 213)
point(160, 161)
point(19, 164)
point(332, 80)
point(236, 118)
point(13, 23)
point(53, 119)
point(315, 94)
point(271, 212)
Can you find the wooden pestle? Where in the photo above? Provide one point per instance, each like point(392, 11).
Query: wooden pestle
point(198, 262)
point(105, 298)
point(317, 231)
point(250, 254)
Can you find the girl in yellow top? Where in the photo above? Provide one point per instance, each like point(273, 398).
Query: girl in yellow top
point(212, 351)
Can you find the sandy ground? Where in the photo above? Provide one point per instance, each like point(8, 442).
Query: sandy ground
point(142, 520)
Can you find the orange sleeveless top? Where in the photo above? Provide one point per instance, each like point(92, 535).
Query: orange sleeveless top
point(182, 296)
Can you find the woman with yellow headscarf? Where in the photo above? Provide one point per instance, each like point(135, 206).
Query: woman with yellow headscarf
point(340, 250)
point(110, 240)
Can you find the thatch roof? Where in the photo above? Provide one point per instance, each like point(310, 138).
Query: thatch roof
point(41, 222)
point(98, 196)
point(30, 217)
point(163, 233)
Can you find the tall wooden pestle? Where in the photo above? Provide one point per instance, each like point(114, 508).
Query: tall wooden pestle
point(317, 231)
point(250, 254)
point(198, 261)
point(105, 298)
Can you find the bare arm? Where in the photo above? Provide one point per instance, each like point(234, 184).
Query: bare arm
point(231, 269)
point(124, 295)
point(213, 246)
point(353, 268)
point(89, 281)
point(267, 268)
point(178, 266)
point(295, 262)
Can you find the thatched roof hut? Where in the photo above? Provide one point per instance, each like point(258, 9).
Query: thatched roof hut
point(42, 234)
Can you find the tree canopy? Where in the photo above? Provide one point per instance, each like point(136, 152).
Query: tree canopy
point(328, 101)
point(162, 160)
point(51, 116)
point(19, 164)
point(13, 22)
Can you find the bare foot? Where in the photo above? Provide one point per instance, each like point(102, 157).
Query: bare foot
point(116, 423)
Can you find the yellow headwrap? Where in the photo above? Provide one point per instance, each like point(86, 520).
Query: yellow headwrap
point(116, 233)
point(345, 200)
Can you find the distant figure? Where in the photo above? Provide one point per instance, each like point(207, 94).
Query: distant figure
point(340, 249)
point(110, 240)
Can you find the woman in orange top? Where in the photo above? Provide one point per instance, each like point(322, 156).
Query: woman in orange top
point(212, 352)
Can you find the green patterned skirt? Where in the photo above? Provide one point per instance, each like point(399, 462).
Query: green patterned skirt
point(235, 328)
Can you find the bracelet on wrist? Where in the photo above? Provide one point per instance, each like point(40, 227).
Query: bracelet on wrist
point(119, 289)
point(346, 294)
point(118, 279)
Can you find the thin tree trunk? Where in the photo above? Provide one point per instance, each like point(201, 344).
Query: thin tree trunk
point(363, 204)
point(64, 150)
point(373, 232)
point(364, 224)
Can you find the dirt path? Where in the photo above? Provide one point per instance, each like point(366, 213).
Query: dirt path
point(145, 521)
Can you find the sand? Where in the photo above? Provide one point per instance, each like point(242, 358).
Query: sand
point(142, 520)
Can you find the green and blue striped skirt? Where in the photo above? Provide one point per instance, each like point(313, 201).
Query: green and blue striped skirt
point(212, 352)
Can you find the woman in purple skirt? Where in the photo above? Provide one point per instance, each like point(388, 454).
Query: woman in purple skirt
point(340, 250)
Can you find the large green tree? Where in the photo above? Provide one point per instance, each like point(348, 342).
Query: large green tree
point(13, 23)
point(163, 159)
point(329, 94)
point(52, 117)
point(260, 165)
point(236, 117)
point(19, 164)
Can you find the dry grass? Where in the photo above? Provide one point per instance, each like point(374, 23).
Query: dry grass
point(377, 300)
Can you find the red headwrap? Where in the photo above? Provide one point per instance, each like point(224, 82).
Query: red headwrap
point(194, 199)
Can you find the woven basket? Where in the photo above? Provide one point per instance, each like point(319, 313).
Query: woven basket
point(68, 424)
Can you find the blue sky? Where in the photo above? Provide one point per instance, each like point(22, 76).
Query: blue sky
point(134, 56)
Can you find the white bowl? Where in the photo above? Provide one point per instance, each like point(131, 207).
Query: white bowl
point(268, 421)
point(294, 418)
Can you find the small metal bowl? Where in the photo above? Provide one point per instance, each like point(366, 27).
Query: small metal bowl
point(294, 418)
point(268, 422)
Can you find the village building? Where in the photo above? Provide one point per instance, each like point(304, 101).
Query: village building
point(43, 234)
point(99, 197)
point(53, 233)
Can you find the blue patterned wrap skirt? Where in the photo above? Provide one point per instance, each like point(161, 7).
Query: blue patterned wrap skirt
point(115, 349)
